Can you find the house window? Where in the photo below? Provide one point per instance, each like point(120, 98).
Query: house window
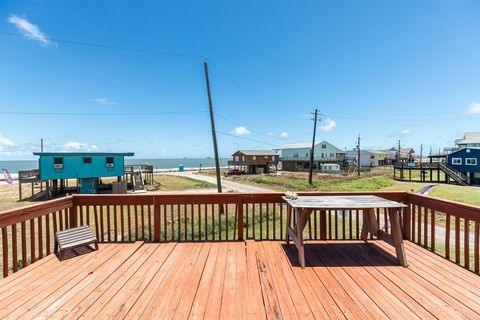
point(273, 158)
point(243, 158)
point(324, 146)
point(306, 155)
point(237, 158)
point(332, 155)
point(266, 157)
point(109, 162)
point(295, 155)
point(58, 163)
point(457, 161)
point(254, 157)
point(87, 160)
point(471, 161)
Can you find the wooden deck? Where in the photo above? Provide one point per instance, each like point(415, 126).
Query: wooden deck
point(253, 279)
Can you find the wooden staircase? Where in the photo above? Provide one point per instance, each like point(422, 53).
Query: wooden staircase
point(457, 176)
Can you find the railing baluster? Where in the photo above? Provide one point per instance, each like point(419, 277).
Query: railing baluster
point(108, 225)
point(425, 227)
point(432, 231)
point(466, 243)
point(476, 254)
point(122, 223)
point(336, 224)
point(413, 213)
point(47, 233)
point(32, 241)
point(115, 223)
point(23, 229)
point(172, 223)
point(457, 239)
point(447, 237)
point(419, 226)
point(102, 230)
point(357, 224)
point(343, 224)
point(205, 208)
point(14, 248)
point(40, 238)
point(5, 251)
point(199, 214)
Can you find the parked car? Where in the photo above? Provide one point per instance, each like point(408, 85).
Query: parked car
point(233, 172)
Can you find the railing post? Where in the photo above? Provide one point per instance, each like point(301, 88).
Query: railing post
point(407, 217)
point(73, 215)
point(323, 225)
point(240, 219)
point(156, 220)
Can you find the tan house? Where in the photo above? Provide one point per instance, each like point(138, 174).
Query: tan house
point(255, 161)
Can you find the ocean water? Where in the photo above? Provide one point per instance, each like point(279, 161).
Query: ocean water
point(15, 166)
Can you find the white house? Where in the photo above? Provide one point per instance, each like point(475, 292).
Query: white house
point(296, 156)
point(368, 158)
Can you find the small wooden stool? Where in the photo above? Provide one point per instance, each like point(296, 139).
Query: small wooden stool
point(74, 238)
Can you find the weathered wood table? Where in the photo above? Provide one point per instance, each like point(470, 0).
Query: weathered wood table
point(303, 206)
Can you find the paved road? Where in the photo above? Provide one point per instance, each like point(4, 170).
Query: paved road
point(226, 185)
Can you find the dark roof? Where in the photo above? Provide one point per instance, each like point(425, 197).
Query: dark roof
point(257, 152)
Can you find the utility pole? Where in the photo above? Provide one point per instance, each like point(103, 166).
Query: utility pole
point(421, 155)
point(41, 145)
point(358, 155)
point(214, 134)
point(399, 154)
point(312, 150)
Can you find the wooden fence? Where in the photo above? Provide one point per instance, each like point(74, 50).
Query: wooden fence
point(27, 233)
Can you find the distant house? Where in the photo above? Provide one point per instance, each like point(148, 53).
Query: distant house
point(466, 161)
point(255, 161)
point(296, 156)
point(87, 167)
point(470, 140)
point(405, 154)
point(330, 167)
point(368, 158)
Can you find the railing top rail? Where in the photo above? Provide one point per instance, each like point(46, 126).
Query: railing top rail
point(462, 210)
point(17, 215)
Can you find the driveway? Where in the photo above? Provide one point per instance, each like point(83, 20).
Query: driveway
point(226, 184)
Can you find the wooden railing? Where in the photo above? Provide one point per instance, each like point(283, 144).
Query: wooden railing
point(27, 233)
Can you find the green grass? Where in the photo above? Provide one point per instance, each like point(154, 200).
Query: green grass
point(175, 183)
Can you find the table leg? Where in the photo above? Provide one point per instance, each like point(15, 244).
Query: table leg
point(397, 236)
point(299, 230)
point(289, 219)
point(365, 226)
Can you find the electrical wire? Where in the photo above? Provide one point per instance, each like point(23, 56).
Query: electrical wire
point(244, 138)
point(99, 113)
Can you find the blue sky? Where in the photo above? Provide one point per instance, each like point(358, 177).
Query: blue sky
point(408, 70)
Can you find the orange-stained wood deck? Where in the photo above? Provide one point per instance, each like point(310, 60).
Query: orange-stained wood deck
point(253, 279)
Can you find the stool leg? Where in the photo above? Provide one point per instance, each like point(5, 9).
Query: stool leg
point(55, 247)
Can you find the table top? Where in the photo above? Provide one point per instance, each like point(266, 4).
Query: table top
point(343, 202)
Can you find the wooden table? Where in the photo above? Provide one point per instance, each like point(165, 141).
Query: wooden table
point(305, 205)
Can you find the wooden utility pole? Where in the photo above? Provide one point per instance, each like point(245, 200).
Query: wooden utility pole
point(41, 145)
point(214, 134)
point(358, 155)
point(312, 150)
point(399, 153)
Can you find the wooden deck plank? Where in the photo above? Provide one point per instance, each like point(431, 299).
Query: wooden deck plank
point(301, 305)
point(470, 299)
point(121, 296)
point(74, 302)
point(171, 265)
point(228, 300)
point(173, 286)
point(402, 281)
point(382, 297)
point(201, 296)
point(256, 308)
point(354, 302)
point(248, 280)
point(213, 306)
point(53, 280)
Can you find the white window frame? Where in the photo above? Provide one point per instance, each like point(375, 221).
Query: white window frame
point(454, 160)
point(254, 157)
point(471, 164)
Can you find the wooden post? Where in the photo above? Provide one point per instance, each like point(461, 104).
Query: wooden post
point(323, 225)
point(73, 216)
point(20, 189)
point(156, 220)
point(406, 223)
point(240, 220)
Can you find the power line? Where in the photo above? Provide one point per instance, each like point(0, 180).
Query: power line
point(104, 46)
point(248, 92)
point(99, 113)
point(244, 138)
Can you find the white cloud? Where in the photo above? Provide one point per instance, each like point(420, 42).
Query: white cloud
point(240, 131)
point(5, 142)
point(400, 133)
point(405, 131)
point(270, 134)
point(79, 146)
point(329, 125)
point(473, 108)
point(104, 101)
point(284, 135)
point(29, 30)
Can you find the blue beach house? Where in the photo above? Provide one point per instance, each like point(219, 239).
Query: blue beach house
point(466, 161)
point(87, 167)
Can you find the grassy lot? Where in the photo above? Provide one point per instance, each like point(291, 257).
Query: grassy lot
point(376, 180)
point(9, 193)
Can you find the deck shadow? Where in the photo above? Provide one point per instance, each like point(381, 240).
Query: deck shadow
point(337, 254)
point(69, 254)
